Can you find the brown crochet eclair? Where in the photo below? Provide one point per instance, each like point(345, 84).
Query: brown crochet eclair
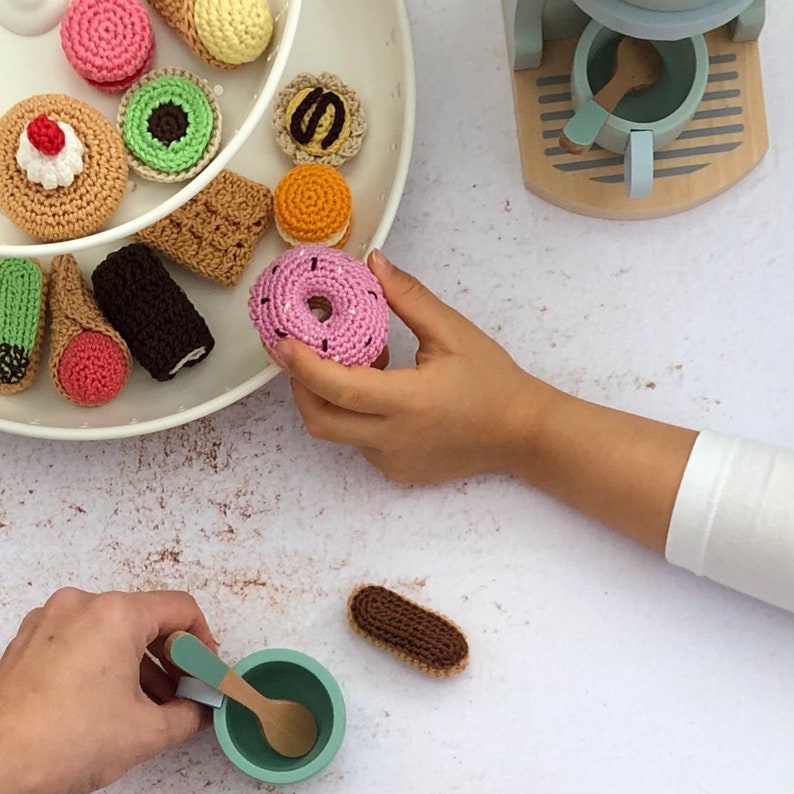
point(414, 634)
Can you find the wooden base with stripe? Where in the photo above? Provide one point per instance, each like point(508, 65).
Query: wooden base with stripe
point(726, 139)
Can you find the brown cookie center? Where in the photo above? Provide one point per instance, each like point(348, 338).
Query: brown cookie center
point(168, 123)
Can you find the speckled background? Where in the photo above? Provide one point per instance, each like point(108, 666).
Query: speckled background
point(595, 666)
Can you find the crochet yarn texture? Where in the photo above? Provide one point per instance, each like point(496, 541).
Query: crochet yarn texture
point(23, 297)
point(150, 311)
point(325, 298)
point(319, 119)
point(89, 362)
point(215, 233)
point(109, 43)
point(313, 204)
point(72, 211)
point(222, 33)
point(171, 125)
point(415, 635)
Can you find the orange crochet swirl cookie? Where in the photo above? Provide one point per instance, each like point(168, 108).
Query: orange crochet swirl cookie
point(415, 635)
point(63, 167)
point(313, 204)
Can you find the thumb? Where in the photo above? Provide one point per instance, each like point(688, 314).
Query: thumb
point(424, 313)
point(181, 719)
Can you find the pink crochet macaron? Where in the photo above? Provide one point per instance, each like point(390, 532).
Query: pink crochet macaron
point(325, 298)
point(110, 43)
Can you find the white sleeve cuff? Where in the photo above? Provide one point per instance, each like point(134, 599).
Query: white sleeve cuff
point(733, 518)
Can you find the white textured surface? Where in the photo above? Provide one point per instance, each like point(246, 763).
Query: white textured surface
point(596, 667)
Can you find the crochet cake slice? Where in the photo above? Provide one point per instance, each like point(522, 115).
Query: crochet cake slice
point(23, 297)
point(215, 233)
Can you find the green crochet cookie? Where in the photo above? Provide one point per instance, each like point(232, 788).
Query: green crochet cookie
point(23, 297)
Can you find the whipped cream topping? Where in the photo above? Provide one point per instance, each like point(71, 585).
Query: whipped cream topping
point(51, 170)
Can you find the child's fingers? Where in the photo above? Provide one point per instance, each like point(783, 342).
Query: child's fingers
point(332, 423)
point(431, 320)
point(361, 389)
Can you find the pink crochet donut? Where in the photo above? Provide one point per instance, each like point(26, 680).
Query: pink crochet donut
point(325, 298)
point(110, 43)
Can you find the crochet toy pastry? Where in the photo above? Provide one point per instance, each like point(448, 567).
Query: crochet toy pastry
point(415, 635)
point(109, 43)
point(63, 168)
point(319, 119)
point(326, 299)
point(312, 204)
point(215, 233)
point(171, 125)
point(89, 361)
point(222, 33)
point(23, 298)
point(150, 311)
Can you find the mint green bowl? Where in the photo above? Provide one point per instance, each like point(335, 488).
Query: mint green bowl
point(289, 675)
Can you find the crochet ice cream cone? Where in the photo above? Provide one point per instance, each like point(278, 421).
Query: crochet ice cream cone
point(222, 33)
point(89, 361)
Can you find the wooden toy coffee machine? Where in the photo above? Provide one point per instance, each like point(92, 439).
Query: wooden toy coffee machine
point(636, 108)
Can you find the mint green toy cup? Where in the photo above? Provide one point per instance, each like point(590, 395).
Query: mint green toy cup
point(282, 674)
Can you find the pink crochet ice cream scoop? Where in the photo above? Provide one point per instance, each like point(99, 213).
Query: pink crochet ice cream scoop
point(109, 43)
point(325, 298)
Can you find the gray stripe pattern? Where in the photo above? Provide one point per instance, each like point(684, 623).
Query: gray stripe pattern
point(609, 162)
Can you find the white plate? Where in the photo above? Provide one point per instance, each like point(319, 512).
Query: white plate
point(244, 95)
point(347, 37)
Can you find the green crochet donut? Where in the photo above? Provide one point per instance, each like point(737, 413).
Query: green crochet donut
point(21, 316)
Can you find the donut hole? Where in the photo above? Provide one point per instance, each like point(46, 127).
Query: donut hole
point(320, 307)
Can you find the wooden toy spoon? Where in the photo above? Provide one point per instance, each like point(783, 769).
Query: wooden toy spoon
point(638, 65)
point(288, 727)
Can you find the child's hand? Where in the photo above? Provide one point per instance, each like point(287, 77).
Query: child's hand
point(81, 702)
point(465, 408)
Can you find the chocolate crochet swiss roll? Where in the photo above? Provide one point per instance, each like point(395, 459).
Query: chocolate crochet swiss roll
point(162, 328)
point(414, 634)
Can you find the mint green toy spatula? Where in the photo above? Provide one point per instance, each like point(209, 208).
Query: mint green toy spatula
point(288, 727)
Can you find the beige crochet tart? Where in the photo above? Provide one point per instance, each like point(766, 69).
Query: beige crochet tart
point(72, 311)
point(211, 149)
point(421, 638)
point(349, 133)
point(83, 207)
point(215, 233)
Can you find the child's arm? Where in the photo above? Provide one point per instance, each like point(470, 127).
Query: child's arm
point(467, 408)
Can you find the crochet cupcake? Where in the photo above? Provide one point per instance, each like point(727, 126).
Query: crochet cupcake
point(313, 204)
point(89, 361)
point(109, 43)
point(319, 119)
point(63, 168)
point(171, 125)
point(23, 298)
point(222, 33)
point(215, 233)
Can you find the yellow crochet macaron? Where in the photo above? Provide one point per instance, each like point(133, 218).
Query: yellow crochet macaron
point(312, 204)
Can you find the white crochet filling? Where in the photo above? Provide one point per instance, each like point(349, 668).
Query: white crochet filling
point(51, 171)
point(330, 242)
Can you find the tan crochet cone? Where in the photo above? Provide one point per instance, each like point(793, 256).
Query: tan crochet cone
point(180, 16)
point(35, 354)
point(82, 208)
point(215, 233)
point(72, 311)
point(417, 636)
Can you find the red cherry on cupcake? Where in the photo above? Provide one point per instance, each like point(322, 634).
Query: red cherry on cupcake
point(45, 135)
